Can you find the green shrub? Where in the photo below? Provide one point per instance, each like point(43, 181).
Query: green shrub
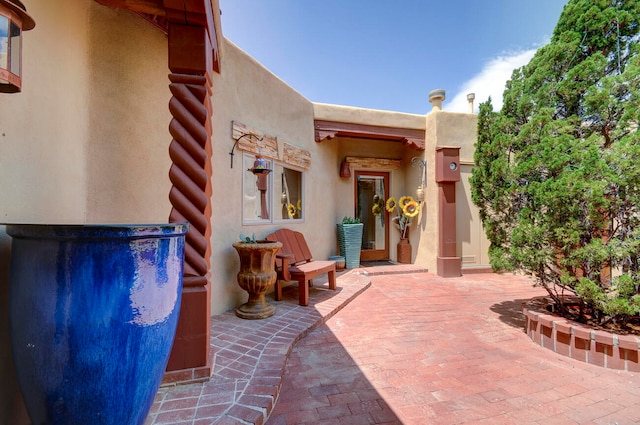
point(557, 177)
point(350, 220)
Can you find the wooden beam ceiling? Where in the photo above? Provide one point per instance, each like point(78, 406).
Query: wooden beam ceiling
point(150, 7)
point(184, 12)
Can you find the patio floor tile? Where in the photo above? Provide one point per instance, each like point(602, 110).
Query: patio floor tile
point(397, 345)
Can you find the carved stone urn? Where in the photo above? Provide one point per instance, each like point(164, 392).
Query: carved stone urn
point(256, 276)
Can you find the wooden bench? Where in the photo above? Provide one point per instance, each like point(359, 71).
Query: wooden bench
point(294, 263)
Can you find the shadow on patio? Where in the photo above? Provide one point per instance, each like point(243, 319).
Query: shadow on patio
point(250, 358)
point(410, 348)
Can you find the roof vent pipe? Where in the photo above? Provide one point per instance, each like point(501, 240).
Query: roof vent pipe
point(436, 97)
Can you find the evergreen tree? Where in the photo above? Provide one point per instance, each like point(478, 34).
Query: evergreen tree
point(557, 177)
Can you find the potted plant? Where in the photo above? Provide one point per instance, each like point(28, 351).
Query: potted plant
point(405, 209)
point(256, 276)
point(350, 241)
point(93, 314)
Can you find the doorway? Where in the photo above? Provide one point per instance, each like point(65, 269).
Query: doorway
point(372, 188)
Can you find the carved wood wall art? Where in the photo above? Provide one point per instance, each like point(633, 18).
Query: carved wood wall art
point(374, 163)
point(295, 156)
point(257, 143)
point(269, 146)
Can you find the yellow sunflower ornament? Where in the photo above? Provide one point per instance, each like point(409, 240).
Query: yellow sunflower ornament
point(406, 208)
point(291, 210)
point(378, 205)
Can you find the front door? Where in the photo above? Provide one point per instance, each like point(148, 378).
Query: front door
point(372, 188)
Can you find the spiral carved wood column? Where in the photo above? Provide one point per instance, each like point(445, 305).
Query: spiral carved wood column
point(190, 173)
point(193, 28)
point(190, 195)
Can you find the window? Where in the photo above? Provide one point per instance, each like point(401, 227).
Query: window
point(287, 193)
point(273, 197)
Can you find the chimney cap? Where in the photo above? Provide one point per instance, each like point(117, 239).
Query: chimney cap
point(437, 94)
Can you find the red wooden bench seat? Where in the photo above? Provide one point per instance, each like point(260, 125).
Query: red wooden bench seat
point(294, 263)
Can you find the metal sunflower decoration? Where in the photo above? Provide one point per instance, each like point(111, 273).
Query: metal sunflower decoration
point(406, 208)
point(291, 210)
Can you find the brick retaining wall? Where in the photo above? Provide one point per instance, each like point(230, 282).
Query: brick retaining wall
point(578, 341)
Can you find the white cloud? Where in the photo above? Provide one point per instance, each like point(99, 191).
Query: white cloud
point(489, 82)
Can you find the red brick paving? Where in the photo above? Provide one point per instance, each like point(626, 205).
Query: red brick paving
point(250, 358)
point(418, 349)
point(413, 348)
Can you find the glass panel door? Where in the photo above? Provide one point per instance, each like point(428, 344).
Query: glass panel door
point(372, 189)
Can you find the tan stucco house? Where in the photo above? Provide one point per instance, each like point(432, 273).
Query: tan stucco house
point(129, 113)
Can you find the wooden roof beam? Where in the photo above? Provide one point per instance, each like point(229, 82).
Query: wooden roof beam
point(327, 130)
point(150, 7)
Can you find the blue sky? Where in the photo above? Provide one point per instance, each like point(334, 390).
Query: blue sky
point(390, 55)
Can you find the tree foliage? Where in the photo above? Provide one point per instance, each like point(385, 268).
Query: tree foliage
point(557, 177)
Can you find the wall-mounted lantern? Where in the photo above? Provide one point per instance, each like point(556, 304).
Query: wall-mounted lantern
point(345, 170)
point(250, 135)
point(260, 166)
point(13, 20)
point(423, 177)
point(261, 172)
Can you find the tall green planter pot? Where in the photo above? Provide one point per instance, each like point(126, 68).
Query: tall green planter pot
point(350, 242)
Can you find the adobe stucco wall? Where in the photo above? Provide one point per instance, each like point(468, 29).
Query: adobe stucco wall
point(87, 142)
point(41, 129)
point(248, 93)
point(403, 181)
point(455, 130)
point(128, 143)
point(87, 139)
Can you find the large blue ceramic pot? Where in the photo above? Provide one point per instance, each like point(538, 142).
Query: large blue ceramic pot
point(93, 314)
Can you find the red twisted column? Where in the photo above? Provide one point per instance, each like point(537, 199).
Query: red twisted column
point(190, 173)
point(190, 195)
point(192, 27)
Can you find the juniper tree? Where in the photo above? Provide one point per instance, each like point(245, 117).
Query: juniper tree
point(557, 177)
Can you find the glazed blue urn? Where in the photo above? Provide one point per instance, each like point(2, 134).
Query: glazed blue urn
point(93, 314)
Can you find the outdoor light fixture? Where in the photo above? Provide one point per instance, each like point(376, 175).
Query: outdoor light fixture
point(13, 20)
point(236, 142)
point(345, 170)
point(423, 177)
point(260, 166)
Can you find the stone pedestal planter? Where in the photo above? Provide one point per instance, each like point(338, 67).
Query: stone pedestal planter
point(256, 276)
point(93, 314)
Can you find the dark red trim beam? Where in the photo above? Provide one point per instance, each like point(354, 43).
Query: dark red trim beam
point(327, 130)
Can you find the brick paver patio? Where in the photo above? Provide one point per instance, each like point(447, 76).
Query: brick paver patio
point(411, 348)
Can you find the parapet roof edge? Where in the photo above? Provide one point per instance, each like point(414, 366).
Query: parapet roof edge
point(377, 117)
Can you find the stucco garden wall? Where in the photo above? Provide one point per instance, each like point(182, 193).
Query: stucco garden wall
point(86, 140)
